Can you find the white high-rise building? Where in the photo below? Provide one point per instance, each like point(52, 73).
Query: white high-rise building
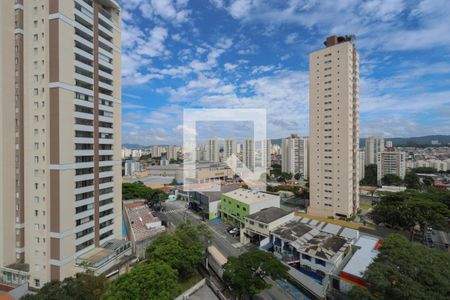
point(172, 152)
point(374, 145)
point(60, 149)
point(212, 150)
point(157, 151)
point(294, 155)
point(229, 149)
point(389, 144)
point(248, 154)
point(334, 128)
point(276, 150)
point(267, 148)
point(238, 148)
point(132, 166)
point(362, 164)
point(391, 162)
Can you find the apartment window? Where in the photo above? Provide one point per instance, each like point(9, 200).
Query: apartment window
point(35, 23)
point(306, 257)
point(36, 92)
point(35, 37)
point(37, 283)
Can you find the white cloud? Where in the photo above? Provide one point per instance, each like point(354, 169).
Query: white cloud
point(230, 67)
point(240, 8)
point(291, 38)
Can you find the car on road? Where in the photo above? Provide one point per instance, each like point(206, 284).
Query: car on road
point(234, 230)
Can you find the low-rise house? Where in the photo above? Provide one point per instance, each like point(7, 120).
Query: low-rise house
point(351, 272)
point(240, 203)
point(259, 225)
point(142, 227)
point(208, 201)
point(312, 249)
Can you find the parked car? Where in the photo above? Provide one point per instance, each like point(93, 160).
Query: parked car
point(234, 231)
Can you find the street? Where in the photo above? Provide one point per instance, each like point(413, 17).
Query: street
point(176, 212)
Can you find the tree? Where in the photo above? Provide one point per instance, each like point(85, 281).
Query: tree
point(245, 275)
point(85, 286)
point(424, 170)
point(182, 250)
point(297, 176)
point(427, 181)
point(153, 280)
point(406, 209)
point(405, 270)
point(391, 179)
point(371, 175)
point(412, 181)
point(286, 176)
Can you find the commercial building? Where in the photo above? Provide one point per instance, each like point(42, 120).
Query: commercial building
point(60, 110)
point(212, 150)
point(229, 149)
point(374, 145)
point(208, 201)
point(334, 128)
point(391, 162)
point(240, 203)
point(248, 154)
point(294, 155)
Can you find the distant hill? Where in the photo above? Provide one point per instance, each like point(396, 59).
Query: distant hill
point(410, 141)
point(416, 141)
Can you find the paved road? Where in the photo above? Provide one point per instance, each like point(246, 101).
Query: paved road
point(176, 213)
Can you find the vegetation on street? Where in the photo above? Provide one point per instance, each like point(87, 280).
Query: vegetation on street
point(245, 275)
point(406, 270)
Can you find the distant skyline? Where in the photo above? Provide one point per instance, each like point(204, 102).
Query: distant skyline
point(248, 53)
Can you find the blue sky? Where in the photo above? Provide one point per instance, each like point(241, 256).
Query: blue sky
point(180, 54)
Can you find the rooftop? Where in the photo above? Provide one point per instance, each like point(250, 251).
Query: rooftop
point(268, 215)
point(99, 256)
point(251, 197)
point(141, 221)
point(324, 245)
point(363, 256)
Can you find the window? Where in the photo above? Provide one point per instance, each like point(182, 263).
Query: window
point(307, 257)
point(320, 262)
point(37, 283)
point(35, 37)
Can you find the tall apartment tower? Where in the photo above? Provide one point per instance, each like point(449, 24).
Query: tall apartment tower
point(334, 128)
point(248, 154)
point(391, 162)
point(229, 148)
point(294, 155)
point(172, 152)
point(373, 146)
point(60, 115)
point(212, 150)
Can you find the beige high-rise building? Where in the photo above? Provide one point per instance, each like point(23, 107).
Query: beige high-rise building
point(294, 155)
point(60, 115)
point(334, 128)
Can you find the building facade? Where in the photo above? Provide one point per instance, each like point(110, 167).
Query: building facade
point(61, 113)
point(229, 149)
point(391, 162)
point(238, 204)
point(373, 146)
point(248, 154)
point(294, 155)
point(362, 164)
point(212, 150)
point(334, 128)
